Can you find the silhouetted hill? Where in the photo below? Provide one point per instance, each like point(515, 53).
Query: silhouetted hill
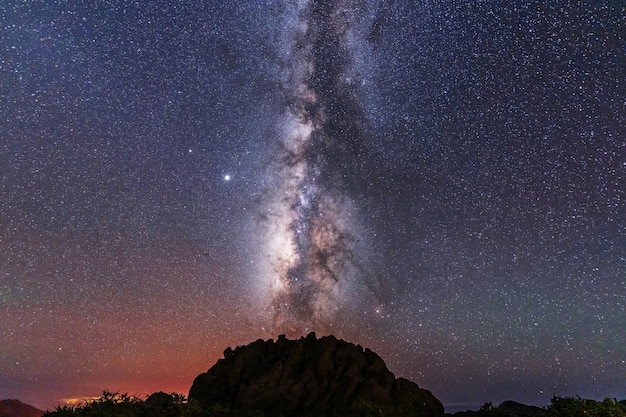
point(515, 409)
point(309, 377)
point(15, 408)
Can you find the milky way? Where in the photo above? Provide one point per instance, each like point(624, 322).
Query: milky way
point(310, 224)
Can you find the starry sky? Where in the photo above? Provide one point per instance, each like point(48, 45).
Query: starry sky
point(442, 182)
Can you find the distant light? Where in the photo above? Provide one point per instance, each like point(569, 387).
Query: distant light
point(226, 177)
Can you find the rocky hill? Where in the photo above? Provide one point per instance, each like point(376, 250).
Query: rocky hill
point(15, 408)
point(309, 377)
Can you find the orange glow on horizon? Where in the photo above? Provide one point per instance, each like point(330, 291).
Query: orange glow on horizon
point(78, 401)
point(138, 393)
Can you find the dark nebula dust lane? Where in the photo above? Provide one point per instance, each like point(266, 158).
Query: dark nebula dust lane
point(310, 225)
point(442, 182)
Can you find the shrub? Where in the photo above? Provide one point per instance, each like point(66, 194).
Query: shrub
point(581, 407)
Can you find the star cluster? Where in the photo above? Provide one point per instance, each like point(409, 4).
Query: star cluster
point(442, 182)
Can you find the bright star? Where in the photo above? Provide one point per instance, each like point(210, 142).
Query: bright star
point(226, 177)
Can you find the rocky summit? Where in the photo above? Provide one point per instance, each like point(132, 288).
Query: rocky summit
point(309, 377)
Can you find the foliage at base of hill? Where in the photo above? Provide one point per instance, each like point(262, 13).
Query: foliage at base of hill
point(161, 404)
point(176, 405)
point(581, 407)
point(113, 404)
point(559, 407)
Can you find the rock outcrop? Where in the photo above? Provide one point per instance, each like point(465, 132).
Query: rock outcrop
point(309, 377)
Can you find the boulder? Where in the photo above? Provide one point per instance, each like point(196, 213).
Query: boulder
point(309, 377)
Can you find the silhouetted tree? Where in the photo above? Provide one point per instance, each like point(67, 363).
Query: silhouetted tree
point(581, 407)
point(113, 404)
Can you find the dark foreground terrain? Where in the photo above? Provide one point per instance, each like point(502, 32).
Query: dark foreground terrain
point(15, 408)
point(559, 407)
point(161, 404)
point(307, 377)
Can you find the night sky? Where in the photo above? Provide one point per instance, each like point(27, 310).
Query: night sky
point(442, 182)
